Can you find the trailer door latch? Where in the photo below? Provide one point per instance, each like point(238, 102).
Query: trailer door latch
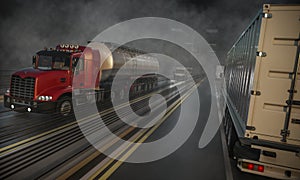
point(285, 132)
point(255, 93)
point(289, 102)
point(296, 121)
point(250, 128)
point(267, 15)
point(261, 54)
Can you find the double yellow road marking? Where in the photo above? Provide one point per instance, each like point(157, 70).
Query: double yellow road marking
point(34, 139)
point(144, 134)
point(75, 168)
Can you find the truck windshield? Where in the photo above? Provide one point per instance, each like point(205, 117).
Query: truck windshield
point(53, 62)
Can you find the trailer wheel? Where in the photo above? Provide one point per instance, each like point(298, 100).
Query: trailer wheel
point(229, 130)
point(64, 106)
point(231, 140)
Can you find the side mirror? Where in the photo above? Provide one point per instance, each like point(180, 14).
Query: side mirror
point(76, 65)
point(34, 61)
point(76, 71)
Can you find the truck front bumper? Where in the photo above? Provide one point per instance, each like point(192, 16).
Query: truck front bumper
point(29, 106)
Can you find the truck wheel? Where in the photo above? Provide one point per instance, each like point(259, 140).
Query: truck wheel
point(231, 140)
point(64, 107)
point(20, 110)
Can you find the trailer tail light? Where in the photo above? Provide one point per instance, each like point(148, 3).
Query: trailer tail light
point(250, 166)
point(260, 168)
point(253, 167)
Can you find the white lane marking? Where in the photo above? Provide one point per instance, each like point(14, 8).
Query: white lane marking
point(8, 116)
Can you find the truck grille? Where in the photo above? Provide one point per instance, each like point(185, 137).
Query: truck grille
point(22, 88)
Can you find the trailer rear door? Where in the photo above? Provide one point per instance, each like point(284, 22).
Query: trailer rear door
point(275, 62)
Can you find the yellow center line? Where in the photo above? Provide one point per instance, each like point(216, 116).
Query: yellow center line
point(118, 163)
point(109, 172)
point(134, 139)
point(36, 137)
point(143, 131)
point(75, 168)
point(7, 149)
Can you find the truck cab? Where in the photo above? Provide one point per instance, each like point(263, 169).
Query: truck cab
point(47, 85)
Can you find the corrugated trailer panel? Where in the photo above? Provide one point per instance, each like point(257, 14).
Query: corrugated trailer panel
point(267, 77)
point(239, 70)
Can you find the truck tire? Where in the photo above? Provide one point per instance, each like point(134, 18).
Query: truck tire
point(64, 106)
point(230, 134)
point(231, 140)
point(22, 110)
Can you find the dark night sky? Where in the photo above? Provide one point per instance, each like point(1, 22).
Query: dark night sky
point(28, 26)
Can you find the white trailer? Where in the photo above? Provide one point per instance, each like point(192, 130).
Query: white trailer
point(262, 116)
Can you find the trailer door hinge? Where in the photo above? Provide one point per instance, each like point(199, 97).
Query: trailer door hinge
point(267, 15)
point(296, 121)
point(261, 54)
point(289, 102)
point(255, 93)
point(296, 103)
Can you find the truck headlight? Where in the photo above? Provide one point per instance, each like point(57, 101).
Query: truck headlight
point(45, 98)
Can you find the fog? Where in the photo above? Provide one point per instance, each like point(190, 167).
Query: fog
point(28, 26)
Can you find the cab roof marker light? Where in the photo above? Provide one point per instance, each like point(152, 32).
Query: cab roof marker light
point(7, 91)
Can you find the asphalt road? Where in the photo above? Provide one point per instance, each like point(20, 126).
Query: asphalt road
point(187, 162)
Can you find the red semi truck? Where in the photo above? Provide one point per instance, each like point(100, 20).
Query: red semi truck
point(47, 86)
